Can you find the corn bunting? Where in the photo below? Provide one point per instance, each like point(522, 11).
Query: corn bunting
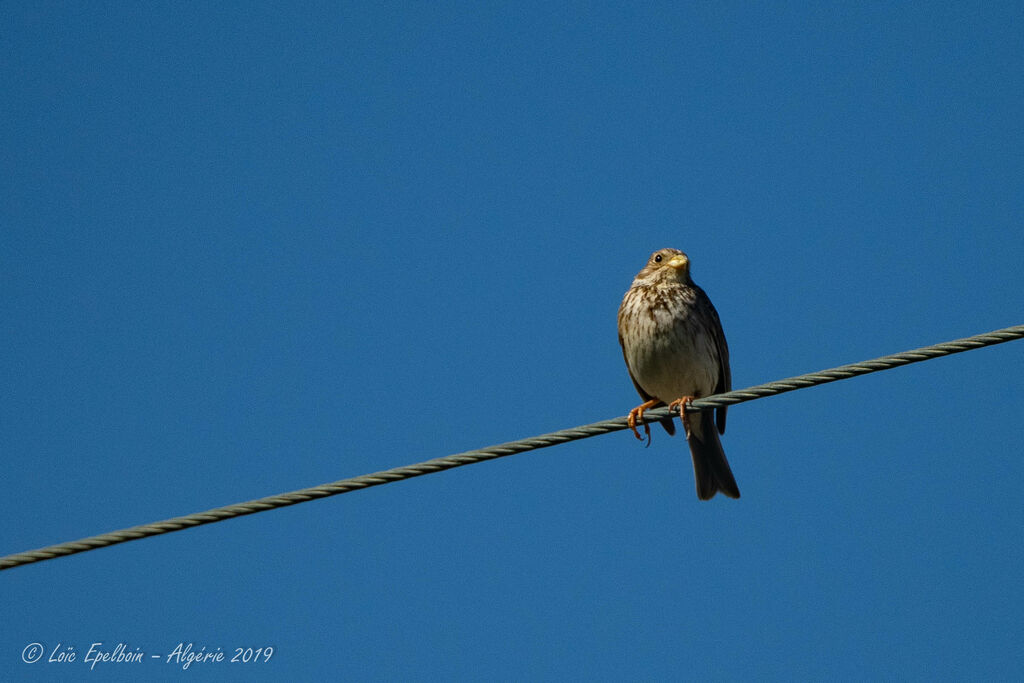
point(675, 351)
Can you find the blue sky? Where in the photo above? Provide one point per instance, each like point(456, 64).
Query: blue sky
point(249, 248)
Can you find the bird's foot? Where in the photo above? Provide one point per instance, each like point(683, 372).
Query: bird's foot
point(682, 403)
point(636, 415)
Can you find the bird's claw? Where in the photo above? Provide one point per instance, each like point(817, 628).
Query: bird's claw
point(636, 415)
point(682, 404)
point(631, 421)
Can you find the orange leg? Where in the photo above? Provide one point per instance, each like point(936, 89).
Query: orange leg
point(637, 414)
point(682, 403)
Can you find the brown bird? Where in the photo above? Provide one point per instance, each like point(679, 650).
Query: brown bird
point(675, 351)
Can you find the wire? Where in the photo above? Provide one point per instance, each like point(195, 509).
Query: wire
point(502, 450)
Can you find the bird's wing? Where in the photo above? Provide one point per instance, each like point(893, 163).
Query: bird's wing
point(667, 423)
point(724, 374)
point(639, 389)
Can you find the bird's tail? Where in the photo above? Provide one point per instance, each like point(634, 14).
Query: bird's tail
point(710, 468)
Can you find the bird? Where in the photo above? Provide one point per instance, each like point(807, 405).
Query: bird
point(675, 351)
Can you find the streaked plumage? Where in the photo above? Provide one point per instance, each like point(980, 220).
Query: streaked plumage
point(674, 347)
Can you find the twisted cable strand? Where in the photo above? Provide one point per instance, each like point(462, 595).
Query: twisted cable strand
point(510, 448)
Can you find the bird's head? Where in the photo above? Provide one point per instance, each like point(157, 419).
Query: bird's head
point(666, 266)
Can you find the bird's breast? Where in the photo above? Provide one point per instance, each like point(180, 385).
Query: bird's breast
point(669, 349)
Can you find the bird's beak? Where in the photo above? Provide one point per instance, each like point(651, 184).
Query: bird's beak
point(678, 262)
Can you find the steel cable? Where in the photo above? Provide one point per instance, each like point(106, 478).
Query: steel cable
point(510, 448)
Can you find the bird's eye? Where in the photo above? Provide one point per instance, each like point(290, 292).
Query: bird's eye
point(657, 259)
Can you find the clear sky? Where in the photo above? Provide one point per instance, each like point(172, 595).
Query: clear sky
point(247, 248)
